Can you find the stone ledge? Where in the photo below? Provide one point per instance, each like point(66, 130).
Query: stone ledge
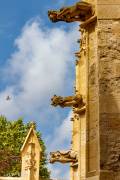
point(109, 11)
point(112, 2)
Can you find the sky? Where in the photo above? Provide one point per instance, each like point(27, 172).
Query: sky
point(37, 61)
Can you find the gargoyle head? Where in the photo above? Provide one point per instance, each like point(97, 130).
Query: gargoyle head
point(63, 157)
point(52, 15)
point(56, 100)
point(54, 156)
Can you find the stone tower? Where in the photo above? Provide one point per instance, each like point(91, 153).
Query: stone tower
point(31, 156)
point(95, 153)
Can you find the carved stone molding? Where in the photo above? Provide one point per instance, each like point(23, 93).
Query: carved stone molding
point(30, 161)
point(78, 54)
point(64, 156)
point(83, 45)
point(74, 165)
point(81, 11)
point(69, 101)
point(75, 116)
point(92, 19)
point(79, 110)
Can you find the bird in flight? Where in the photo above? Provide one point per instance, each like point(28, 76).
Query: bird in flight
point(8, 98)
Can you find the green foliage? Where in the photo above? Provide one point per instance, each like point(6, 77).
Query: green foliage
point(12, 136)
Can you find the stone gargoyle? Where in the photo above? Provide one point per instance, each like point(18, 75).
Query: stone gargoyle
point(69, 101)
point(64, 156)
point(81, 11)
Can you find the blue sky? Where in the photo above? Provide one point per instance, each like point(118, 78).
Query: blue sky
point(37, 61)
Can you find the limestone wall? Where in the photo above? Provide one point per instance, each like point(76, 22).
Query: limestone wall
point(109, 85)
point(92, 104)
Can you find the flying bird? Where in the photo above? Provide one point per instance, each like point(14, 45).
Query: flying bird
point(8, 98)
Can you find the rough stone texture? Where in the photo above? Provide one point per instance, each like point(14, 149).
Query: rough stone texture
point(102, 54)
point(109, 89)
point(92, 100)
point(108, 9)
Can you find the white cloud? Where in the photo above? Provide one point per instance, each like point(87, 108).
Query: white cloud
point(40, 67)
point(60, 172)
point(37, 69)
point(62, 135)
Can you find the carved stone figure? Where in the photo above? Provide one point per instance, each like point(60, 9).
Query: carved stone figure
point(83, 41)
point(30, 161)
point(69, 101)
point(63, 156)
point(79, 110)
point(81, 11)
point(78, 54)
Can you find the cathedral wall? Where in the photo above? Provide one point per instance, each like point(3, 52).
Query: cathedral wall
point(93, 105)
point(109, 90)
point(81, 88)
